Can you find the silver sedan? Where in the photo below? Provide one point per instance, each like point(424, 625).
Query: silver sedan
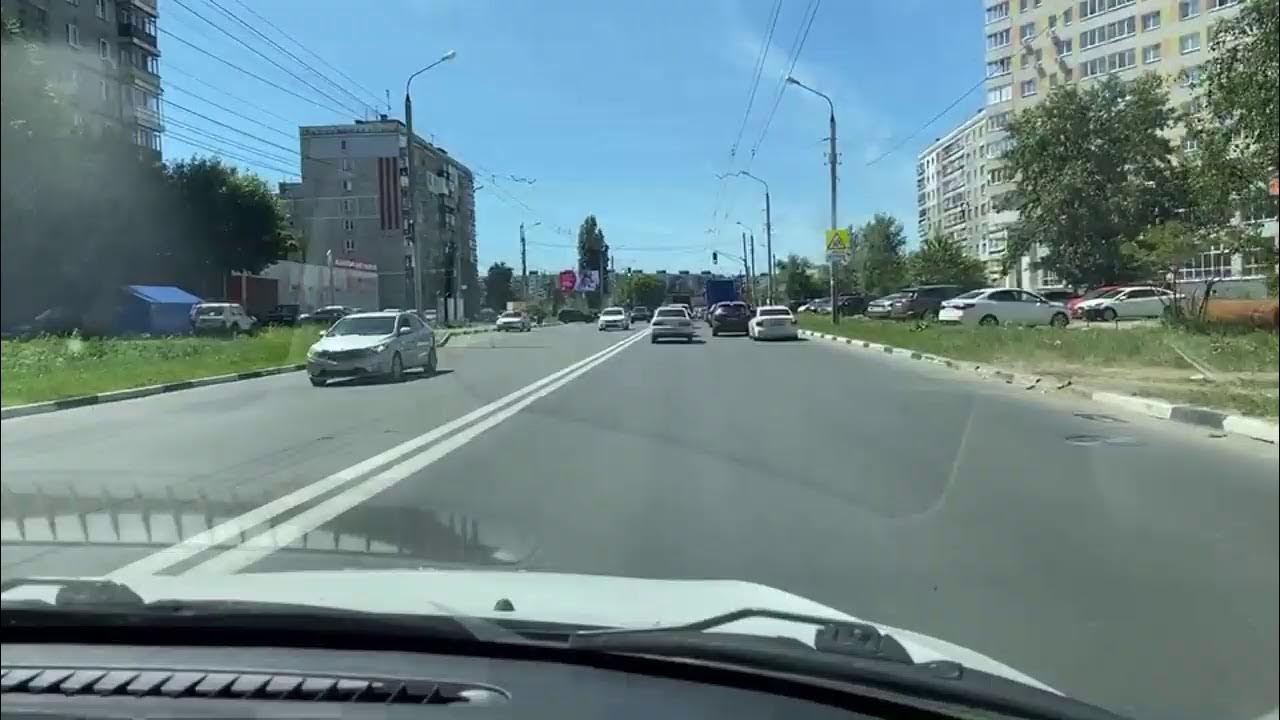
point(377, 344)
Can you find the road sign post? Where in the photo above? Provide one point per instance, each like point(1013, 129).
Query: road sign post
point(838, 245)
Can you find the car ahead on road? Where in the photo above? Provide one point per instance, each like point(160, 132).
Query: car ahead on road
point(921, 302)
point(375, 344)
point(224, 318)
point(513, 321)
point(671, 321)
point(572, 315)
point(613, 318)
point(773, 322)
point(640, 313)
point(1002, 306)
point(1142, 301)
point(326, 315)
point(730, 317)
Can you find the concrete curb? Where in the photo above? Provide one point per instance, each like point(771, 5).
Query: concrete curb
point(1251, 427)
point(133, 393)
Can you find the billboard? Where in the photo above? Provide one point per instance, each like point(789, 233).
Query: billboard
point(588, 281)
point(568, 281)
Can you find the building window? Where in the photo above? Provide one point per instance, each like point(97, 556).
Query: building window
point(1089, 8)
point(346, 164)
point(1066, 16)
point(998, 39)
point(1004, 93)
point(1110, 32)
point(1189, 43)
point(1219, 4)
point(1188, 9)
point(104, 49)
point(997, 12)
point(349, 245)
point(1191, 76)
point(995, 68)
point(1151, 21)
point(1122, 60)
point(100, 9)
point(1151, 53)
point(1000, 175)
point(1065, 46)
point(1028, 87)
point(1053, 80)
point(1027, 31)
point(349, 225)
point(104, 90)
point(346, 206)
point(1216, 263)
point(1053, 21)
point(73, 2)
point(344, 144)
point(346, 186)
point(997, 122)
point(73, 35)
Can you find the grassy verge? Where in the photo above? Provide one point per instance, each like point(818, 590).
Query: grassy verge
point(50, 368)
point(1155, 361)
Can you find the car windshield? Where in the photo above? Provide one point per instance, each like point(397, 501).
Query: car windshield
point(463, 305)
point(367, 325)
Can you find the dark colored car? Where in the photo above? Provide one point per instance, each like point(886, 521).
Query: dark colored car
point(286, 314)
point(921, 302)
point(730, 317)
point(853, 304)
point(572, 315)
point(640, 313)
point(325, 315)
point(1058, 295)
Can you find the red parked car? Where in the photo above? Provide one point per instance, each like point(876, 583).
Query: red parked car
point(1075, 301)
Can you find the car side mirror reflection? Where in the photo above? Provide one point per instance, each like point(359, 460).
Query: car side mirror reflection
point(404, 330)
point(322, 333)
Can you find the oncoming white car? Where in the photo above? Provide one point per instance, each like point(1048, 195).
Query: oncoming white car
point(772, 322)
point(1002, 306)
point(613, 318)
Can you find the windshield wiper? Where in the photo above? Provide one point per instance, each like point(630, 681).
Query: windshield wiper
point(844, 651)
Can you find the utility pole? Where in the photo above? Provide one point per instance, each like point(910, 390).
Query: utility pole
point(831, 269)
point(768, 240)
point(524, 268)
point(746, 269)
point(413, 261)
point(753, 269)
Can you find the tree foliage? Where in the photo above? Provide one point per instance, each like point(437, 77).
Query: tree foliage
point(1094, 169)
point(1241, 85)
point(942, 260)
point(593, 255)
point(84, 211)
point(797, 278)
point(878, 255)
point(641, 289)
point(497, 286)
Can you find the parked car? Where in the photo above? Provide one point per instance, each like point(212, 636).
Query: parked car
point(1007, 306)
point(640, 313)
point(612, 318)
point(852, 304)
point(228, 318)
point(326, 315)
point(286, 314)
point(821, 306)
point(513, 320)
point(730, 317)
point(772, 322)
point(671, 321)
point(430, 316)
point(1057, 294)
point(572, 315)
point(1074, 304)
point(376, 344)
point(921, 302)
point(1143, 301)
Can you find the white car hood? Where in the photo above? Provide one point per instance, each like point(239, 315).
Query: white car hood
point(553, 597)
point(350, 342)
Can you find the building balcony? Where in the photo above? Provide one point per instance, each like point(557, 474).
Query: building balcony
point(145, 77)
point(138, 33)
point(148, 6)
point(147, 117)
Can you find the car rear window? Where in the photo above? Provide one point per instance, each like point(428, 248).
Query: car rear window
point(773, 312)
point(612, 311)
point(511, 314)
point(969, 295)
point(670, 313)
point(210, 310)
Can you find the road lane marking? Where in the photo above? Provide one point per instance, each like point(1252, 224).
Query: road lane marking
point(263, 544)
point(238, 526)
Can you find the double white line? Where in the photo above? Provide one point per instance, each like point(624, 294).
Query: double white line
point(446, 439)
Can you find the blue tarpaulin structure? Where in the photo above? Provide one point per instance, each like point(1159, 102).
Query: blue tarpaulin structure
point(155, 309)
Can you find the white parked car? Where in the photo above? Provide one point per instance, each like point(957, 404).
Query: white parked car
point(772, 322)
point(227, 318)
point(1003, 306)
point(1142, 301)
point(612, 318)
point(513, 320)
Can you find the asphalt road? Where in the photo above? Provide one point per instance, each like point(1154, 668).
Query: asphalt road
point(1125, 561)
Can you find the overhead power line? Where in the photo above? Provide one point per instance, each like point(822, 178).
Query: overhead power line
point(376, 97)
point(894, 148)
point(765, 44)
point(254, 75)
point(232, 128)
point(224, 108)
point(797, 46)
point(173, 68)
point(236, 18)
point(266, 57)
point(252, 162)
point(187, 127)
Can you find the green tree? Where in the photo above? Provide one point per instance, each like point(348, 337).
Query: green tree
point(1094, 168)
point(797, 278)
point(641, 290)
point(942, 260)
point(877, 257)
point(497, 286)
point(593, 256)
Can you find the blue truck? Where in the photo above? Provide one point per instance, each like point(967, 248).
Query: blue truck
point(718, 291)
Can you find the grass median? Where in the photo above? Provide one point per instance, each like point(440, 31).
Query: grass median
point(51, 368)
point(1232, 369)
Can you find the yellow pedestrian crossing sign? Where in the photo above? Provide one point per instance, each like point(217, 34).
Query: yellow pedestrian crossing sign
point(838, 243)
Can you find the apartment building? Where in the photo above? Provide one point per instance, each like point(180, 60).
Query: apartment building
point(951, 185)
point(1033, 46)
point(105, 57)
point(353, 204)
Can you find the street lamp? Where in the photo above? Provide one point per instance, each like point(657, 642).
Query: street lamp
point(768, 227)
point(831, 158)
point(412, 230)
point(749, 259)
point(524, 268)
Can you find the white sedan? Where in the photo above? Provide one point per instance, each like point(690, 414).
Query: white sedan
point(772, 322)
point(1003, 306)
point(513, 320)
point(1129, 302)
point(613, 317)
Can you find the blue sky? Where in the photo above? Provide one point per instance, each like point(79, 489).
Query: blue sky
point(624, 110)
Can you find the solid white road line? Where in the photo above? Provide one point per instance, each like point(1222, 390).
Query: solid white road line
point(237, 526)
point(259, 546)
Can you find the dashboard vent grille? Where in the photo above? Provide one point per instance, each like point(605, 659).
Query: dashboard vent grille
point(104, 682)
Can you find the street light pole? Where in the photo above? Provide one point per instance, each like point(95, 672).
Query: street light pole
point(414, 278)
point(524, 268)
point(831, 158)
point(768, 227)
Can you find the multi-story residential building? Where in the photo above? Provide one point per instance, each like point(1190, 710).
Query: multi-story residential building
point(104, 55)
point(951, 184)
point(353, 203)
point(1033, 46)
